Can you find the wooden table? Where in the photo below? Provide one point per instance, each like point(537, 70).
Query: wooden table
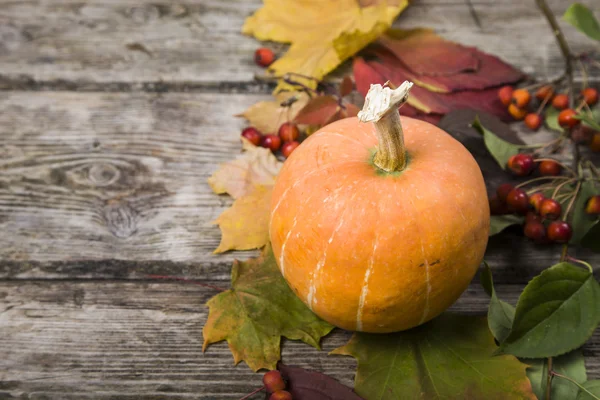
point(113, 113)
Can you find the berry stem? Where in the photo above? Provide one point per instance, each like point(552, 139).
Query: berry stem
point(177, 278)
point(252, 394)
point(549, 379)
point(381, 108)
point(546, 99)
point(560, 186)
point(575, 260)
point(566, 214)
point(592, 395)
point(541, 178)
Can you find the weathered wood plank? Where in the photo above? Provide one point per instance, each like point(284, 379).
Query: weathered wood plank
point(122, 177)
point(68, 340)
point(83, 45)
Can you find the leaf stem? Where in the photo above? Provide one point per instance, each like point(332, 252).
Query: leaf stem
point(588, 265)
point(576, 383)
point(187, 280)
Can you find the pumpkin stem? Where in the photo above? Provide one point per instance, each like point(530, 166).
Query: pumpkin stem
point(381, 108)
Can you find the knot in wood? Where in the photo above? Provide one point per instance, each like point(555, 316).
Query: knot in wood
point(97, 174)
point(120, 218)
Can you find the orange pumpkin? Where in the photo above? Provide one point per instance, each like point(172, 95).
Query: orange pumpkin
point(379, 227)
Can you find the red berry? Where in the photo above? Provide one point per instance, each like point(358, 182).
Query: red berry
point(595, 142)
point(566, 118)
point(264, 57)
point(549, 168)
point(273, 381)
point(518, 201)
point(272, 142)
point(505, 94)
point(550, 209)
point(533, 121)
point(581, 134)
point(288, 148)
point(590, 96)
point(516, 112)
point(592, 206)
point(532, 217)
point(289, 132)
point(498, 207)
point(559, 232)
point(252, 135)
point(536, 200)
point(521, 98)
point(503, 190)
point(544, 92)
point(535, 230)
point(521, 164)
point(281, 395)
point(560, 101)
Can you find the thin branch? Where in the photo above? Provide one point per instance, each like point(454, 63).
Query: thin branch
point(549, 379)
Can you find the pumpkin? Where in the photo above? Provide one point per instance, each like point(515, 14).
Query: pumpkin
point(379, 223)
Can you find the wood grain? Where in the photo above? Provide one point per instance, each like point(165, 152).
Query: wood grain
point(74, 45)
point(72, 340)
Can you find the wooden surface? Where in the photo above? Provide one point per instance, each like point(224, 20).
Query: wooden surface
point(112, 116)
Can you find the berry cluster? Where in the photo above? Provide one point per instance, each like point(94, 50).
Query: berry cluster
point(286, 139)
point(518, 102)
point(543, 214)
point(275, 385)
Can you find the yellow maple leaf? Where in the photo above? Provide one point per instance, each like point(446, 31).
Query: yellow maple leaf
point(322, 33)
point(267, 116)
point(256, 166)
point(245, 225)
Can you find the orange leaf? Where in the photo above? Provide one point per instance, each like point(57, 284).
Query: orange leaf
point(267, 116)
point(245, 225)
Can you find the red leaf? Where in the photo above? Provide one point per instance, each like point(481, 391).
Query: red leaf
point(351, 110)
point(346, 86)
point(365, 76)
point(425, 53)
point(412, 112)
point(318, 111)
point(491, 72)
point(442, 103)
point(311, 385)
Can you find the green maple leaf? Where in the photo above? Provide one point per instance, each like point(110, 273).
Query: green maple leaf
point(257, 310)
point(451, 357)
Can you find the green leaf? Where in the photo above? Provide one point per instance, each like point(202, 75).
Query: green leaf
point(451, 357)
point(499, 148)
point(498, 223)
point(500, 313)
point(571, 364)
point(257, 310)
point(556, 313)
point(592, 239)
point(552, 119)
point(581, 221)
point(592, 387)
point(583, 19)
point(592, 122)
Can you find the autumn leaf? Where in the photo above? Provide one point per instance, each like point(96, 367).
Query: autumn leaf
point(318, 111)
point(447, 75)
point(256, 166)
point(311, 385)
point(257, 310)
point(267, 116)
point(245, 225)
point(322, 33)
point(451, 357)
